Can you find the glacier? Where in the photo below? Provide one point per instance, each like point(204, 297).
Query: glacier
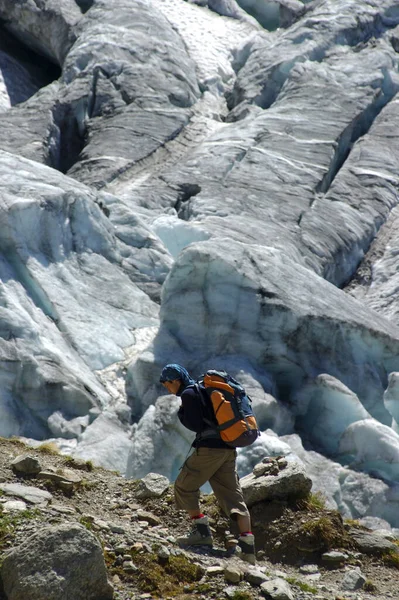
point(215, 183)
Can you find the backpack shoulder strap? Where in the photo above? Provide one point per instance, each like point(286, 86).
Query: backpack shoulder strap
point(210, 426)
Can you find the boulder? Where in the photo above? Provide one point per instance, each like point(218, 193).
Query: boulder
point(152, 485)
point(334, 558)
point(277, 589)
point(64, 479)
point(255, 576)
point(372, 543)
point(64, 561)
point(353, 580)
point(26, 465)
point(233, 574)
point(10, 506)
point(291, 482)
point(29, 493)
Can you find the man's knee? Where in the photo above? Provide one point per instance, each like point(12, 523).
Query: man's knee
point(185, 482)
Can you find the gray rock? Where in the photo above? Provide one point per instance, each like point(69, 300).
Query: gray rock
point(152, 485)
point(64, 475)
point(64, 561)
point(26, 464)
point(121, 549)
point(65, 510)
point(309, 569)
point(101, 524)
point(334, 558)
point(371, 542)
point(115, 528)
point(233, 574)
point(230, 591)
point(264, 469)
point(277, 589)
point(13, 506)
point(255, 577)
point(145, 515)
point(163, 553)
point(129, 567)
point(26, 492)
point(353, 580)
point(385, 533)
point(214, 571)
point(292, 482)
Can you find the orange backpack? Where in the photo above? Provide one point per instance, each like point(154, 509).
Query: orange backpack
point(231, 405)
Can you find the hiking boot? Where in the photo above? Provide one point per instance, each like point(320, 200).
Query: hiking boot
point(247, 546)
point(200, 534)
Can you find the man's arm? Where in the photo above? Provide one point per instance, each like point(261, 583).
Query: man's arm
point(190, 411)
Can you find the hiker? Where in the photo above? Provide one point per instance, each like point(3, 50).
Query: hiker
point(212, 460)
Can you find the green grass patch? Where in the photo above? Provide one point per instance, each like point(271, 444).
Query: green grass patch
point(85, 484)
point(369, 586)
point(10, 521)
point(323, 531)
point(312, 502)
point(82, 465)
point(48, 448)
point(352, 523)
point(241, 595)
point(87, 522)
point(164, 578)
point(13, 440)
point(302, 585)
point(391, 559)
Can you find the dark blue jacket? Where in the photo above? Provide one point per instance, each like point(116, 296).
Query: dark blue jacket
point(196, 413)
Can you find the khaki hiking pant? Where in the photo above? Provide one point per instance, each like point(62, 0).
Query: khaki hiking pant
point(218, 466)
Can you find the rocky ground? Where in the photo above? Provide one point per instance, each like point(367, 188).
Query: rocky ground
point(304, 551)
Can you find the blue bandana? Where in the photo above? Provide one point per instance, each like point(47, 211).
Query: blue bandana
point(175, 371)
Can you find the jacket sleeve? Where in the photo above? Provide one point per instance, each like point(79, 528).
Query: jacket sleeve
point(190, 411)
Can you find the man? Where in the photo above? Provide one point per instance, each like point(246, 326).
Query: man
point(213, 460)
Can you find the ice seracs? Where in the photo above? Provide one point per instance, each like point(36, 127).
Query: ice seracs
point(372, 447)
point(391, 399)
point(186, 178)
point(324, 409)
